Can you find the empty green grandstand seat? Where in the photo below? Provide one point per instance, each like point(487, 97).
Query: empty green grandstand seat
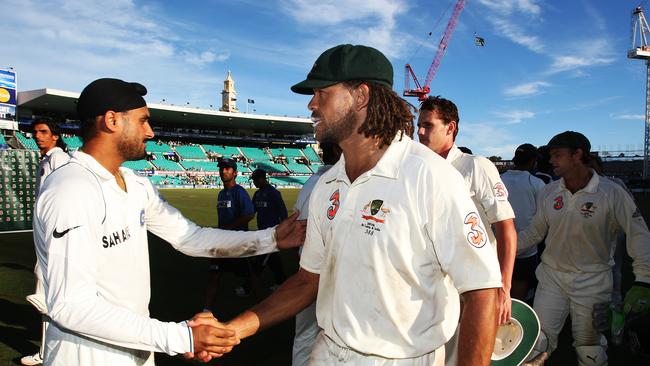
point(268, 166)
point(255, 153)
point(222, 150)
point(311, 154)
point(138, 165)
point(299, 168)
point(287, 151)
point(73, 142)
point(164, 164)
point(190, 152)
point(201, 166)
point(158, 147)
point(29, 143)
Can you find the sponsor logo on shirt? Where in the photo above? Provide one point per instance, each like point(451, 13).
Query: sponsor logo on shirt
point(500, 192)
point(59, 234)
point(587, 209)
point(334, 207)
point(116, 237)
point(261, 204)
point(224, 204)
point(476, 235)
point(374, 213)
point(558, 203)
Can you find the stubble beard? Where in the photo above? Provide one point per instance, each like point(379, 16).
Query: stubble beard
point(339, 130)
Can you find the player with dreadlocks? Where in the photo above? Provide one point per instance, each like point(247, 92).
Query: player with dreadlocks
point(392, 232)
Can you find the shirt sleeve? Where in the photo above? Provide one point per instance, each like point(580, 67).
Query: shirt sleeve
point(245, 203)
point(458, 236)
point(536, 231)
point(70, 269)
point(492, 193)
point(313, 251)
point(185, 236)
point(630, 219)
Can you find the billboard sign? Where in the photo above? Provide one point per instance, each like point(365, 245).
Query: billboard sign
point(7, 95)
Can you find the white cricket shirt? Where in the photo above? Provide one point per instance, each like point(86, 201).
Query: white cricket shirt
point(52, 160)
point(387, 248)
point(91, 239)
point(485, 186)
point(523, 189)
point(581, 228)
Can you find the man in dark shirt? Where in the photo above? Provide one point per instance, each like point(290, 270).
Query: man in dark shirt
point(271, 210)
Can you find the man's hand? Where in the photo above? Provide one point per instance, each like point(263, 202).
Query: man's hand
point(291, 232)
point(537, 361)
point(212, 339)
point(504, 306)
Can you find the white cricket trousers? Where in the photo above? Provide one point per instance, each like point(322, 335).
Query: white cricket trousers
point(306, 331)
point(328, 353)
point(560, 294)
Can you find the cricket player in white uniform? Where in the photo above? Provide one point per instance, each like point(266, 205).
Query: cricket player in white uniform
point(47, 135)
point(390, 227)
point(581, 214)
point(90, 228)
point(437, 129)
point(306, 323)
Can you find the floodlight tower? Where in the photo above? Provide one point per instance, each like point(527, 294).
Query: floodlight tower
point(641, 50)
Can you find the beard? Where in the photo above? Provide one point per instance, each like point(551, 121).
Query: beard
point(131, 148)
point(336, 131)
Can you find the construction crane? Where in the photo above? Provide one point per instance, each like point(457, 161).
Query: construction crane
point(641, 50)
point(422, 91)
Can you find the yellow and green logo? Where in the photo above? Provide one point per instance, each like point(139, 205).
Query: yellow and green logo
point(4, 95)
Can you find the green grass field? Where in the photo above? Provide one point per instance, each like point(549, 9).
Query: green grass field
point(178, 290)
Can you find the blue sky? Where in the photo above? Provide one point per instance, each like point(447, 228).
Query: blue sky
point(546, 67)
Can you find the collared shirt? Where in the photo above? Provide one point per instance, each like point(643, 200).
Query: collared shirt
point(523, 189)
point(231, 204)
point(52, 160)
point(485, 186)
point(269, 206)
point(91, 241)
point(387, 248)
point(580, 228)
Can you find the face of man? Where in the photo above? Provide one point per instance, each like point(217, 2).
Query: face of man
point(434, 133)
point(259, 181)
point(44, 138)
point(136, 131)
point(227, 174)
point(564, 161)
point(332, 113)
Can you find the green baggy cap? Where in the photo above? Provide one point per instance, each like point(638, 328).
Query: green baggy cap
point(347, 62)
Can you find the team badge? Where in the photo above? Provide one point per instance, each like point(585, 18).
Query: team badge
point(587, 209)
point(558, 203)
point(142, 218)
point(334, 207)
point(500, 192)
point(375, 211)
point(476, 234)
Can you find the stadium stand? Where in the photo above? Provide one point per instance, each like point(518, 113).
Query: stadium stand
point(190, 152)
point(255, 153)
point(201, 166)
point(298, 168)
point(73, 142)
point(222, 150)
point(3, 142)
point(287, 152)
point(268, 166)
point(158, 147)
point(312, 155)
point(138, 165)
point(27, 142)
point(163, 164)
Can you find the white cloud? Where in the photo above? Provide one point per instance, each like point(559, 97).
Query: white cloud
point(631, 117)
point(601, 52)
point(506, 18)
point(507, 7)
point(514, 116)
point(205, 57)
point(526, 89)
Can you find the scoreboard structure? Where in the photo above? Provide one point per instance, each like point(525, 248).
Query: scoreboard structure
point(18, 176)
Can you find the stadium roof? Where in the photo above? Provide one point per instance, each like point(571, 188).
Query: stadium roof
point(48, 101)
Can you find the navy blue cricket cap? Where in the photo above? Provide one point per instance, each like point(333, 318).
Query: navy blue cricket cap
point(108, 94)
point(227, 163)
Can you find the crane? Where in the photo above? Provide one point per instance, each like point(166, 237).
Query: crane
point(641, 50)
point(422, 91)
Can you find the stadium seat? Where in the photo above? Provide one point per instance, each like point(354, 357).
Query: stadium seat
point(158, 147)
point(190, 152)
point(29, 143)
point(222, 150)
point(138, 165)
point(312, 155)
point(73, 142)
point(255, 153)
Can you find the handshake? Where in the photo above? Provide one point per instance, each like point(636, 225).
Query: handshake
point(212, 339)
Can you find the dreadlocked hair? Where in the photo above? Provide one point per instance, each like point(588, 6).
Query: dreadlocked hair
point(388, 114)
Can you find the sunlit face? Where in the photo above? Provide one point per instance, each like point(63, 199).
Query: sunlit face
point(136, 131)
point(44, 138)
point(564, 160)
point(227, 174)
point(434, 133)
point(332, 113)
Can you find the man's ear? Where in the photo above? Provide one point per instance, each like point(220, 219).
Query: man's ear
point(110, 121)
point(361, 96)
point(451, 127)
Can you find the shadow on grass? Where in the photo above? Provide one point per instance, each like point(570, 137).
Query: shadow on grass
point(21, 329)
